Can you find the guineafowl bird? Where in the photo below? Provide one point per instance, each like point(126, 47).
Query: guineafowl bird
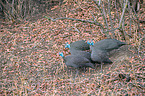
point(108, 44)
point(76, 61)
point(79, 45)
point(74, 51)
point(99, 56)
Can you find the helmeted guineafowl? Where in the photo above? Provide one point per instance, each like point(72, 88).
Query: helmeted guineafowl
point(76, 61)
point(108, 44)
point(99, 56)
point(79, 45)
point(74, 51)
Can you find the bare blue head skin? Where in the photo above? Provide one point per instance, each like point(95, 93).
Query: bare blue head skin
point(61, 54)
point(67, 45)
point(90, 43)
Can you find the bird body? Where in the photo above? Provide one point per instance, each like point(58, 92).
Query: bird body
point(108, 44)
point(77, 61)
point(81, 53)
point(78, 45)
point(100, 56)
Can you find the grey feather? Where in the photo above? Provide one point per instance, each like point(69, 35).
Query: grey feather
point(80, 45)
point(76, 61)
point(81, 53)
point(108, 44)
point(99, 56)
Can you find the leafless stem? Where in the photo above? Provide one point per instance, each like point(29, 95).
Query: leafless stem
point(103, 15)
point(93, 16)
point(99, 2)
point(130, 23)
point(137, 19)
point(117, 10)
point(141, 40)
point(109, 12)
point(76, 29)
point(102, 12)
point(122, 16)
point(111, 30)
point(73, 19)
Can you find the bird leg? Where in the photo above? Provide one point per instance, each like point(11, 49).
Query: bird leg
point(77, 73)
point(84, 69)
point(101, 67)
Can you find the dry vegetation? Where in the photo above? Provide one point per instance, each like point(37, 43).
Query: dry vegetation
point(30, 64)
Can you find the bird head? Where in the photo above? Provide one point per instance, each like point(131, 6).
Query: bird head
point(67, 45)
point(90, 43)
point(61, 54)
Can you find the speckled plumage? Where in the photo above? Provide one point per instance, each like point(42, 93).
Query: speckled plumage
point(99, 56)
point(81, 53)
point(108, 44)
point(77, 61)
point(80, 45)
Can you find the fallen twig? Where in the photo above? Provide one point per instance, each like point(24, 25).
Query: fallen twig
point(73, 19)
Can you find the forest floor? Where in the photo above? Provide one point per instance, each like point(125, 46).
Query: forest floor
point(30, 63)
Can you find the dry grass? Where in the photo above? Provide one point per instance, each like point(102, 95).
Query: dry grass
point(30, 64)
